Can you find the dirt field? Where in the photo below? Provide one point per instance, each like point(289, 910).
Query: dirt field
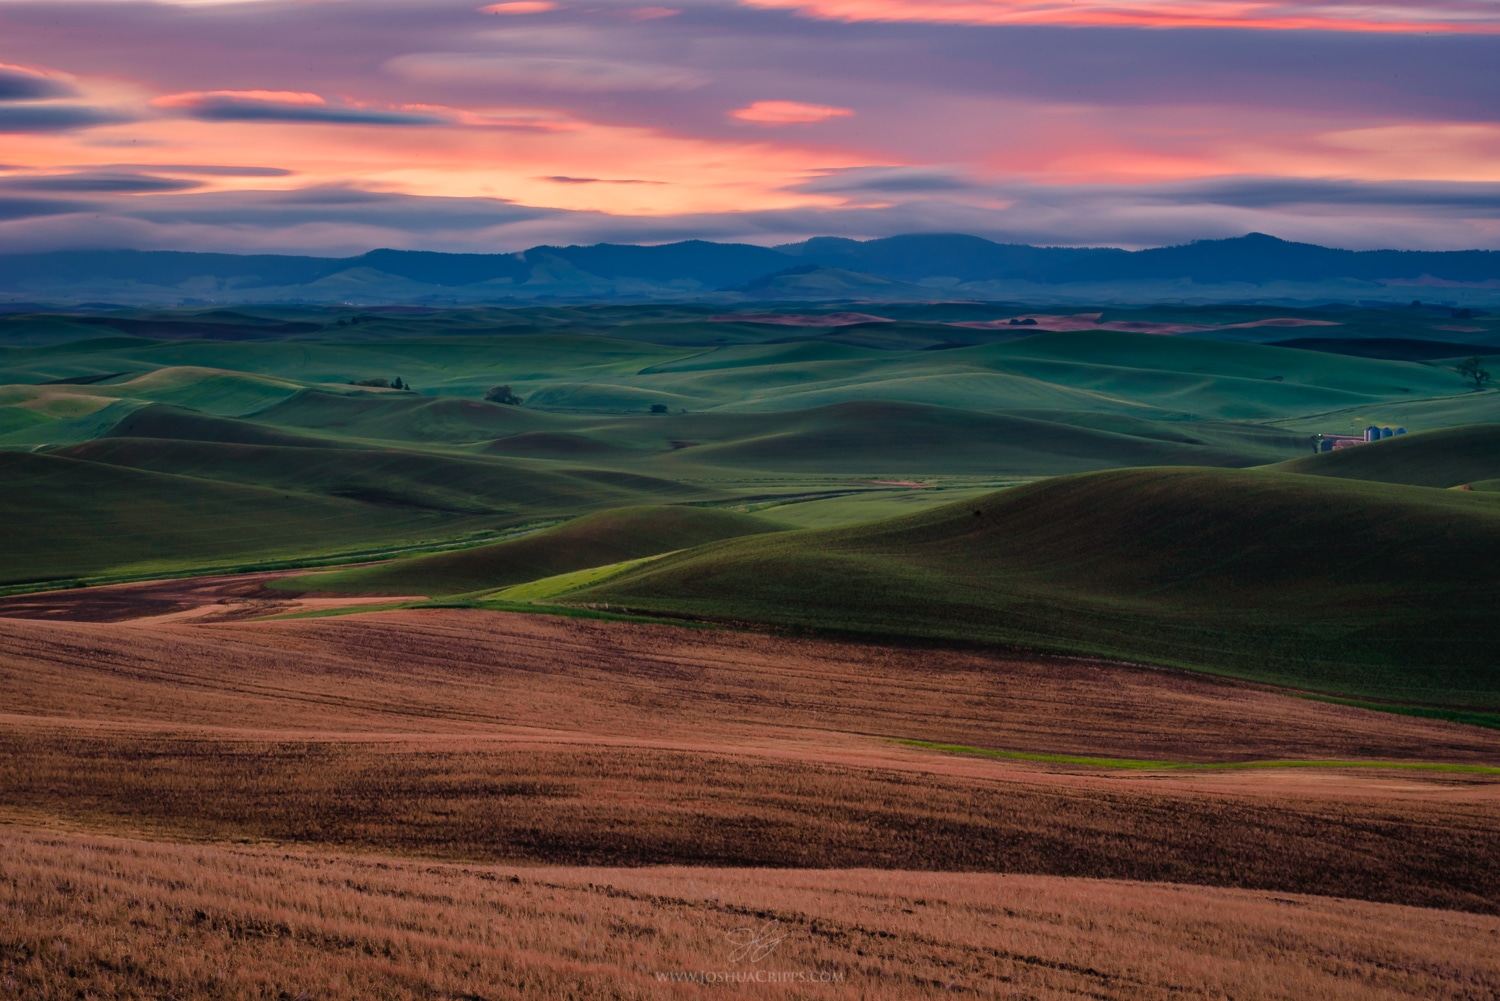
point(1092, 321)
point(234, 596)
point(485, 736)
point(107, 918)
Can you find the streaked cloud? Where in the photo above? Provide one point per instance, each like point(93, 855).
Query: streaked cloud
point(1466, 16)
point(53, 117)
point(890, 180)
point(563, 179)
point(286, 106)
point(201, 169)
point(98, 183)
point(33, 99)
point(787, 113)
point(32, 208)
point(20, 83)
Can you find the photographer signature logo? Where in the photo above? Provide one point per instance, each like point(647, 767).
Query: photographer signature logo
point(751, 945)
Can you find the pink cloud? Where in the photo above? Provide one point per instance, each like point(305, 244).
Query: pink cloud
point(294, 106)
point(652, 13)
point(1449, 16)
point(519, 7)
point(788, 113)
point(200, 98)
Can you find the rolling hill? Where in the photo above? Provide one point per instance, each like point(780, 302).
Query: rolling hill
point(170, 489)
point(158, 420)
point(69, 518)
point(1361, 589)
point(906, 438)
point(594, 540)
point(856, 437)
point(1448, 458)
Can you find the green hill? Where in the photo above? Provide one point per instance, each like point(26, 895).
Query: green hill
point(894, 438)
point(404, 417)
point(594, 540)
point(158, 420)
point(882, 438)
point(67, 518)
point(506, 492)
point(1343, 586)
point(1448, 458)
point(859, 437)
point(1214, 378)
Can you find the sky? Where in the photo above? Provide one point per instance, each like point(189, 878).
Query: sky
point(332, 127)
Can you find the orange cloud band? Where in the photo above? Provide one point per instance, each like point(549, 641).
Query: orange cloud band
point(787, 113)
point(1468, 18)
point(520, 7)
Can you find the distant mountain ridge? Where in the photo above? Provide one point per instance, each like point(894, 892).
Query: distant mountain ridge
point(824, 268)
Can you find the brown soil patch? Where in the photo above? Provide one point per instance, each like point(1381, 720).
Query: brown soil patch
point(432, 671)
point(1092, 321)
point(231, 596)
point(477, 735)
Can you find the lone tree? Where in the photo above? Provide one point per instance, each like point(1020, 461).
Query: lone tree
point(658, 408)
point(1473, 368)
point(502, 394)
point(396, 383)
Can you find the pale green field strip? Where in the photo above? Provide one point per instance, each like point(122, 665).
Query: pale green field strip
point(536, 591)
point(1145, 765)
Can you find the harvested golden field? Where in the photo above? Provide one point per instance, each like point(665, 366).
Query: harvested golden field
point(108, 918)
point(468, 735)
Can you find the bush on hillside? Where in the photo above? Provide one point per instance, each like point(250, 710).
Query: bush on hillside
point(502, 394)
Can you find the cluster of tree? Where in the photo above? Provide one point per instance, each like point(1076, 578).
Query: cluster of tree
point(502, 394)
point(1472, 370)
point(395, 383)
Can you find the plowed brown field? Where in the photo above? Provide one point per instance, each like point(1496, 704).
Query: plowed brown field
point(107, 918)
point(489, 738)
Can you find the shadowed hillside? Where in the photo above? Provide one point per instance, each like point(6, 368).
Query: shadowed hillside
point(150, 505)
point(595, 540)
point(65, 518)
point(404, 417)
point(163, 421)
point(893, 437)
point(1380, 590)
